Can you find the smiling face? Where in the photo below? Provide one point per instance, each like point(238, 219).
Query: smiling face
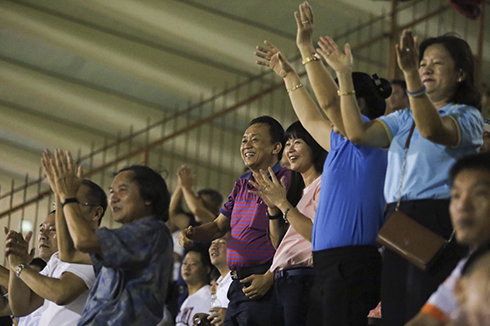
point(47, 243)
point(439, 74)
point(217, 252)
point(299, 155)
point(125, 199)
point(258, 151)
point(470, 207)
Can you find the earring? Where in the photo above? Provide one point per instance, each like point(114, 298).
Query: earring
point(460, 80)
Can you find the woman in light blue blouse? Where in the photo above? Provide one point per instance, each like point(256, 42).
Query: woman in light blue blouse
point(444, 109)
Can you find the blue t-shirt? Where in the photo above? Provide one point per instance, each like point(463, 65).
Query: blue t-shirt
point(428, 163)
point(350, 211)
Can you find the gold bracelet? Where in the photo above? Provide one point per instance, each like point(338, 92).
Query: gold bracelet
point(295, 88)
point(339, 93)
point(313, 57)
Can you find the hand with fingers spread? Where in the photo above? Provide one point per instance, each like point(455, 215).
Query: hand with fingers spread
point(185, 177)
point(407, 53)
point(271, 190)
point(340, 61)
point(274, 59)
point(17, 249)
point(62, 173)
point(304, 22)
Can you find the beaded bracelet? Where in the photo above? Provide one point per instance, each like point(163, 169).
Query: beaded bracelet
point(295, 88)
point(417, 93)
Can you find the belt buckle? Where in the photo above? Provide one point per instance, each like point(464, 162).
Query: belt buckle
point(281, 273)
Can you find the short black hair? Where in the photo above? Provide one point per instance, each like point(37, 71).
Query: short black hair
point(297, 131)
point(276, 130)
point(459, 50)
point(152, 188)
point(479, 161)
point(203, 250)
point(96, 196)
point(216, 197)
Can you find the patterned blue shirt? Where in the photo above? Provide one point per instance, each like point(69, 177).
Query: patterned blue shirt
point(133, 273)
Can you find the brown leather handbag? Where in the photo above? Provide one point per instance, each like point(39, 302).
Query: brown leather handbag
point(408, 238)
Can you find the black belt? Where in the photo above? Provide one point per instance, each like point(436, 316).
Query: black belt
point(247, 271)
point(294, 272)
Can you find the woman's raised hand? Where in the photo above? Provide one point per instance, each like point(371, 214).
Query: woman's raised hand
point(335, 58)
point(304, 22)
point(407, 53)
point(274, 59)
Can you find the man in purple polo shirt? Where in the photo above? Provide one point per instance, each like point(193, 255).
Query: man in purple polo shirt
point(249, 249)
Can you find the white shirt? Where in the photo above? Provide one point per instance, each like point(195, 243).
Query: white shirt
point(222, 290)
point(68, 314)
point(32, 319)
point(199, 302)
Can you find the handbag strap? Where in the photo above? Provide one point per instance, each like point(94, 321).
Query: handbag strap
point(407, 144)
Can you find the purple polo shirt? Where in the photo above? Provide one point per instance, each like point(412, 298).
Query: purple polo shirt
point(248, 243)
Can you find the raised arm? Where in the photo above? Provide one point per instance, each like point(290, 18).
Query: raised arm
point(370, 133)
point(66, 247)
point(305, 108)
point(321, 80)
point(67, 180)
point(186, 182)
point(440, 130)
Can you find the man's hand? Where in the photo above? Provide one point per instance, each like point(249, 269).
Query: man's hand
point(259, 285)
point(62, 173)
point(185, 177)
point(218, 316)
point(17, 249)
point(184, 239)
point(200, 319)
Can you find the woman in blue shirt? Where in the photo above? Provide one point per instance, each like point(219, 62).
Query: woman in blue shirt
point(444, 107)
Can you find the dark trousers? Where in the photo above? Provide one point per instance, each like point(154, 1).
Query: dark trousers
point(291, 299)
point(243, 311)
point(405, 288)
point(348, 282)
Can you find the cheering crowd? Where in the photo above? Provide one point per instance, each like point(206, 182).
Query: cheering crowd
point(295, 242)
